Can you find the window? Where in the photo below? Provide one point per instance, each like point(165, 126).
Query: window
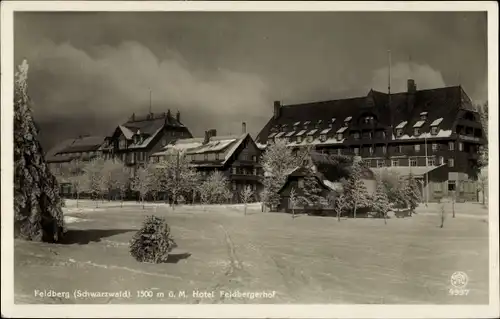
point(371, 150)
point(399, 132)
point(399, 148)
point(234, 170)
point(309, 139)
point(434, 130)
point(339, 136)
point(234, 186)
point(395, 162)
point(384, 149)
point(416, 131)
point(216, 156)
point(451, 146)
point(451, 162)
point(205, 157)
point(255, 171)
point(254, 158)
point(460, 146)
point(417, 147)
point(383, 134)
point(322, 137)
point(356, 150)
point(434, 147)
point(431, 161)
point(451, 186)
point(413, 162)
point(301, 183)
point(339, 151)
point(299, 139)
point(423, 116)
point(356, 135)
point(380, 163)
point(441, 160)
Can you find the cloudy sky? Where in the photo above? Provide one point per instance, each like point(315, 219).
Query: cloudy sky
point(90, 71)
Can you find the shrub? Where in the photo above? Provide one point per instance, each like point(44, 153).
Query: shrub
point(153, 242)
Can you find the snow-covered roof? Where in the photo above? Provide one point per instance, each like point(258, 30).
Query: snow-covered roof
point(311, 132)
point(146, 141)
point(342, 129)
point(402, 124)
point(271, 135)
point(405, 170)
point(280, 134)
point(326, 130)
point(441, 133)
point(307, 122)
point(332, 120)
point(301, 133)
point(290, 133)
point(296, 123)
point(347, 119)
point(126, 132)
point(423, 113)
point(437, 121)
point(419, 124)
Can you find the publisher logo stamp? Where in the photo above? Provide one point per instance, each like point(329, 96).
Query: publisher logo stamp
point(459, 281)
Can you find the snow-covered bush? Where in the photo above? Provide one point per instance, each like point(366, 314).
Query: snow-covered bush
point(153, 242)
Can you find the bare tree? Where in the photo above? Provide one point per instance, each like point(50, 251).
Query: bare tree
point(442, 213)
point(95, 180)
point(142, 182)
point(483, 185)
point(293, 201)
point(245, 195)
point(214, 190)
point(178, 177)
point(340, 205)
point(78, 184)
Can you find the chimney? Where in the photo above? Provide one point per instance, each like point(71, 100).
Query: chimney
point(133, 116)
point(277, 109)
point(207, 137)
point(243, 128)
point(412, 89)
point(178, 116)
point(212, 132)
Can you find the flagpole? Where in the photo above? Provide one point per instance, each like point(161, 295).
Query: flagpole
point(426, 173)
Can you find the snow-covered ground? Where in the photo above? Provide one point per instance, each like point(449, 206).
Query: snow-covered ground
point(304, 260)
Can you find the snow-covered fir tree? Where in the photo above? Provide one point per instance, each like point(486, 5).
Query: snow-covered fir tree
point(412, 192)
point(277, 161)
point(381, 203)
point(310, 196)
point(355, 189)
point(37, 204)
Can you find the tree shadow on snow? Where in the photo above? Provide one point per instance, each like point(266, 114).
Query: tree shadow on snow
point(175, 258)
point(86, 236)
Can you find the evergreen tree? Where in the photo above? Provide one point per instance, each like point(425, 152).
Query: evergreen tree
point(412, 193)
point(311, 193)
point(381, 203)
point(277, 161)
point(355, 189)
point(37, 204)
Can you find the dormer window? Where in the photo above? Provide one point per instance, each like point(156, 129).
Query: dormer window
point(306, 123)
point(434, 130)
point(310, 139)
point(423, 116)
point(434, 126)
point(318, 124)
point(347, 120)
point(356, 135)
point(340, 136)
point(330, 124)
point(399, 132)
point(299, 139)
point(416, 131)
point(322, 137)
point(368, 119)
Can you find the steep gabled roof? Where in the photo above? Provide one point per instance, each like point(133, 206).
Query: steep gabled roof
point(438, 103)
point(76, 145)
point(224, 146)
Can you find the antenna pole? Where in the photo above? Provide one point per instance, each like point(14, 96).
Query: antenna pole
point(389, 90)
point(149, 100)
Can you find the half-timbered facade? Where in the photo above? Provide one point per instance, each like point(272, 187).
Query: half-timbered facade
point(417, 130)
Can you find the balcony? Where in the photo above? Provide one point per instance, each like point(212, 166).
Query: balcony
point(470, 138)
point(247, 177)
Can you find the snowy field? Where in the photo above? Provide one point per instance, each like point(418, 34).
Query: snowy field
point(302, 260)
